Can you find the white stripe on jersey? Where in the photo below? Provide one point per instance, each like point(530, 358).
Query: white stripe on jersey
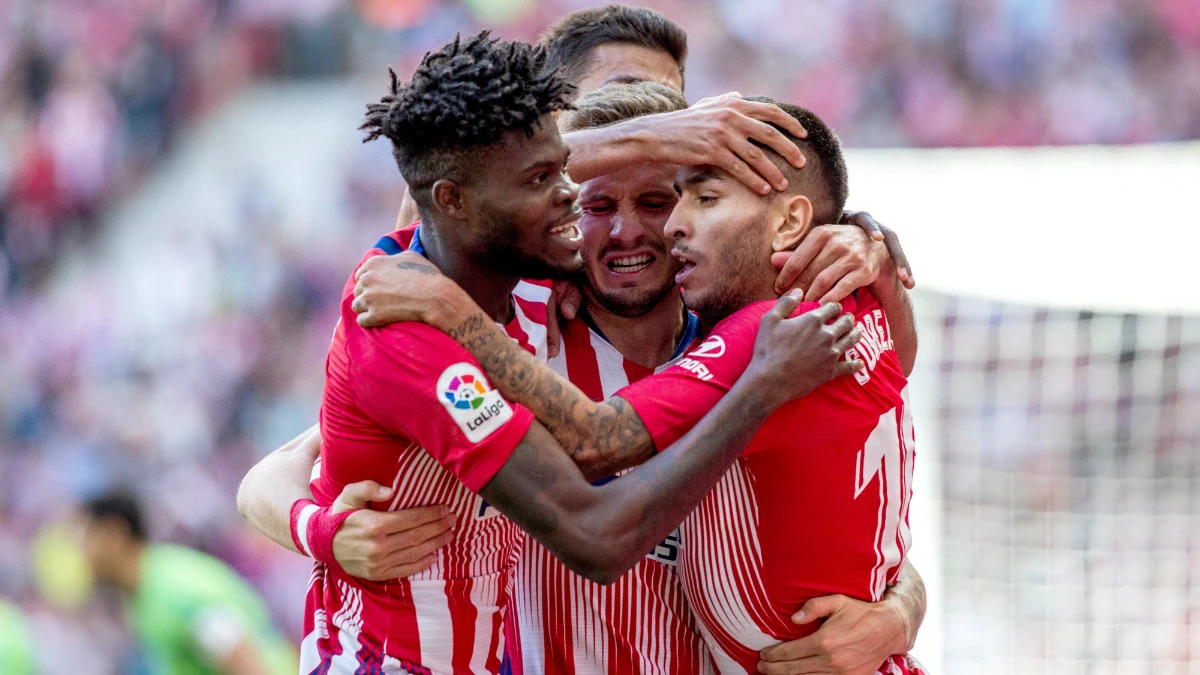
point(612, 365)
point(535, 328)
point(434, 623)
point(721, 567)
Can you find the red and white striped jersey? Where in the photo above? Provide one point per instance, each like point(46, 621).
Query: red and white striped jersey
point(816, 505)
point(406, 406)
point(559, 622)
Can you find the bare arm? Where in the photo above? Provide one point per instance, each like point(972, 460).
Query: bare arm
point(269, 489)
point(600, 532)
point(716, 131)
point(897, 307)
point(856, 636)
point(376, 545)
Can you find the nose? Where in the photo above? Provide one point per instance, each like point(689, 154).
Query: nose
point(677, 226)
point(627, 228)
point(568, 190)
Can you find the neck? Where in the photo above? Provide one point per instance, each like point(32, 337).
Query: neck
point(648, 340)
point(488, 287)
point(128, 571)
point(709, 320)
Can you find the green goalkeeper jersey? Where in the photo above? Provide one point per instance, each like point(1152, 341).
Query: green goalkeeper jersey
point(16, 647)
point(191, 610)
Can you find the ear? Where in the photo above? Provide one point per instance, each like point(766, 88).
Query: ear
point(794, 224)
point(448, 198)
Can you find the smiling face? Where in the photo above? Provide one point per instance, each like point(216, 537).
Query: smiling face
point(724, 234)
point(627, 267)
point(522, 207)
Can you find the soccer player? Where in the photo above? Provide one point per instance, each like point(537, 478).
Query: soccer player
point(633, 321)
point(191, 613)
point(608, 44)
point(474, 136)
point(746, 560)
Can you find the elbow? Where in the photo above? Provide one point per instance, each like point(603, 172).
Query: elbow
point(604, 557)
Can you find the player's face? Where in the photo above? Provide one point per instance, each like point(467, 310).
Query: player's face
point(719, 233)
point(104, 543)
point(526, 215)
point(629, 63)
point(627, 267)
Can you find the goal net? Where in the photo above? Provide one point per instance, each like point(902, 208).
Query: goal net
point(1057, 396)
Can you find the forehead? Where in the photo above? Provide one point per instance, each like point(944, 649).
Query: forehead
point(517, 151)
point(620, 62)
point(631, 181)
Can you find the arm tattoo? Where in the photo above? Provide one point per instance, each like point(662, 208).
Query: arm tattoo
point(602, 438)
point(420, 268)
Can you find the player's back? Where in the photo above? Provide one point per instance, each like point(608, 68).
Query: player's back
point(406, 407)
point(816, 505)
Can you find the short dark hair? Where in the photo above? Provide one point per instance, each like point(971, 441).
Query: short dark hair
point(619, 101)
point(462, 97)
point(119, 505)
point(824, 179)
point(569, 43)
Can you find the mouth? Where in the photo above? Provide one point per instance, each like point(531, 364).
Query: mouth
point(629, 263)
point(568, 230)
point(686, 270)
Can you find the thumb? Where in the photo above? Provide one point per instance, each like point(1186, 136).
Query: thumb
point(568, 305)
point(815, 608)
point(359, 495)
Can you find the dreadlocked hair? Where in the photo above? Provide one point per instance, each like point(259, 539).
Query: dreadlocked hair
point(461, 98)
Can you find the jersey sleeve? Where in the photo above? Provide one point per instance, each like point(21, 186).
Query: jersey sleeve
point(416, 382)
point(671, 402)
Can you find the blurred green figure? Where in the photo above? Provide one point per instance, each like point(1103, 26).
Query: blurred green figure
point(191, 613)
point(16, 646)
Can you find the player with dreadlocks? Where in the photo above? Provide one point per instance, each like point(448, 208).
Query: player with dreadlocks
point(406, 406)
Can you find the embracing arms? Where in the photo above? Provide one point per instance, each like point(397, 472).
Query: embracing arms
point(602, 531)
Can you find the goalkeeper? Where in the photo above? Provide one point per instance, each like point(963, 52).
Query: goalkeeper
point(192, 614)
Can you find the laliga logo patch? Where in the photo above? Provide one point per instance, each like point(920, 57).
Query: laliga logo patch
point(478, 409)
point(713, 347)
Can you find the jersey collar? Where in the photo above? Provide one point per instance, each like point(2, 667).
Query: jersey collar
point(691, 331)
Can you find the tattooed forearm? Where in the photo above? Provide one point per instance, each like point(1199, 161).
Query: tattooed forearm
point(602, 438)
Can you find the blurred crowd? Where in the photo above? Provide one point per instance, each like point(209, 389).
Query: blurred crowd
point(95, 93)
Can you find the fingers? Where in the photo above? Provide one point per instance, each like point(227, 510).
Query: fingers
point(791, 651)
point(847, 367)
point(811, 665)
point(865, 221)
point(846, 285)
point(769, 136)
point(847, 341)
point(738, 168)
point(407, 520)
point(903, 270)
point(552, 326)
point(818, 608)
point(843, 325)
point(824, 314)
point(408, 569)
point(570, 301)
point(769, 112)
point(828, 279)
point(359, 495)
point(784, 306)
point(800, 259)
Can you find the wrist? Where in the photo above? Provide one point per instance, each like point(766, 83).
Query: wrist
point(901, 640)
point(452, 307)
point(313, 528)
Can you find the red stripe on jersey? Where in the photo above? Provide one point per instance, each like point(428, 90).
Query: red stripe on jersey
point(583, 369)
point(559, 622)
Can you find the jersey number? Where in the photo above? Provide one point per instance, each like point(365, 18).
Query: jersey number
point(888, 455)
